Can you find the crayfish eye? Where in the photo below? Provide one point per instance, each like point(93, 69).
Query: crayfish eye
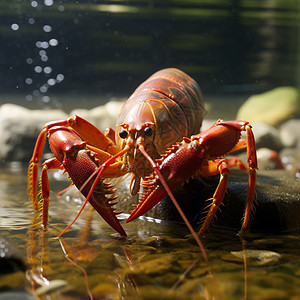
point(123, 134)
point(148, 131)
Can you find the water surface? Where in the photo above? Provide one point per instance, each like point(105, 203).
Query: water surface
point(157, 260)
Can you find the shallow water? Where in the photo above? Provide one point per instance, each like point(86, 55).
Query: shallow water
point(157, 260)
point(73, 54)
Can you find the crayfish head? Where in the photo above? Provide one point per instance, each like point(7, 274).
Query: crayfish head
point(134, 136)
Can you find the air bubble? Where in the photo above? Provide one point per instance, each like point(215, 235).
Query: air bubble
point(35, 93)
point(38, 69)
point(60, 77)
point(34, 4)
point(47, 28)
point(46, 99)
point(51, 81)
point(14, 26)
point(43, 89)
point(48, 2)
point(45, 45)
point(28, 80)
point(53, 42)
point(29, 97)
point(47, 70)
point(42, 52)
point(44, 58)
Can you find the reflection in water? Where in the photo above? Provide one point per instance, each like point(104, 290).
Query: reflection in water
point(156, 259)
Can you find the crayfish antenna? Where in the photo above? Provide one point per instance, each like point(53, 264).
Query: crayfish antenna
point(168, 190)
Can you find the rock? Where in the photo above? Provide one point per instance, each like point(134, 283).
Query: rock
point(52, 286)
point(272, 107)
point(266, 136)
point(19, 128)
point(160, 265)
point(254, 257)
point(277, 205)
point(290, 133)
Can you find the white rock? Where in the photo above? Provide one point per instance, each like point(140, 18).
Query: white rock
point(290, 133)
point(19, 128)
point(258, 257)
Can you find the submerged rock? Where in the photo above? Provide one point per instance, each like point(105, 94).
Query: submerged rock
point(277, 205)
point(254, 257)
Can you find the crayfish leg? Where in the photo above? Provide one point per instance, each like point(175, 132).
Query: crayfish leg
point(252, 163)
point(52, 163)
point(33, 168)
point(213, 168)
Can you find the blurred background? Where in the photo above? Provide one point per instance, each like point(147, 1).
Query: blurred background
point(71, 54)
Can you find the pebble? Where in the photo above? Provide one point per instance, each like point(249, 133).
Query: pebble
point(254, 257)
point(52, 286)
point(272, 107)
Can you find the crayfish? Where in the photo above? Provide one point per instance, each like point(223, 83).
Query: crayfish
point(156, 139)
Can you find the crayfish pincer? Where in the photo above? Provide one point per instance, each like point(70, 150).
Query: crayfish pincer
point(156, 140)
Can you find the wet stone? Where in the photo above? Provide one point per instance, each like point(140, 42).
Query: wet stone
point(254, 257)
point(277, 205)
point(160, 265)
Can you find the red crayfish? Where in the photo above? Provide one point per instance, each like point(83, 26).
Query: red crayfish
point(156, 140)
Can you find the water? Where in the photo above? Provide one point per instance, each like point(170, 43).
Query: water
point(73, 54)
point(157, 260)
point(70, 54)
